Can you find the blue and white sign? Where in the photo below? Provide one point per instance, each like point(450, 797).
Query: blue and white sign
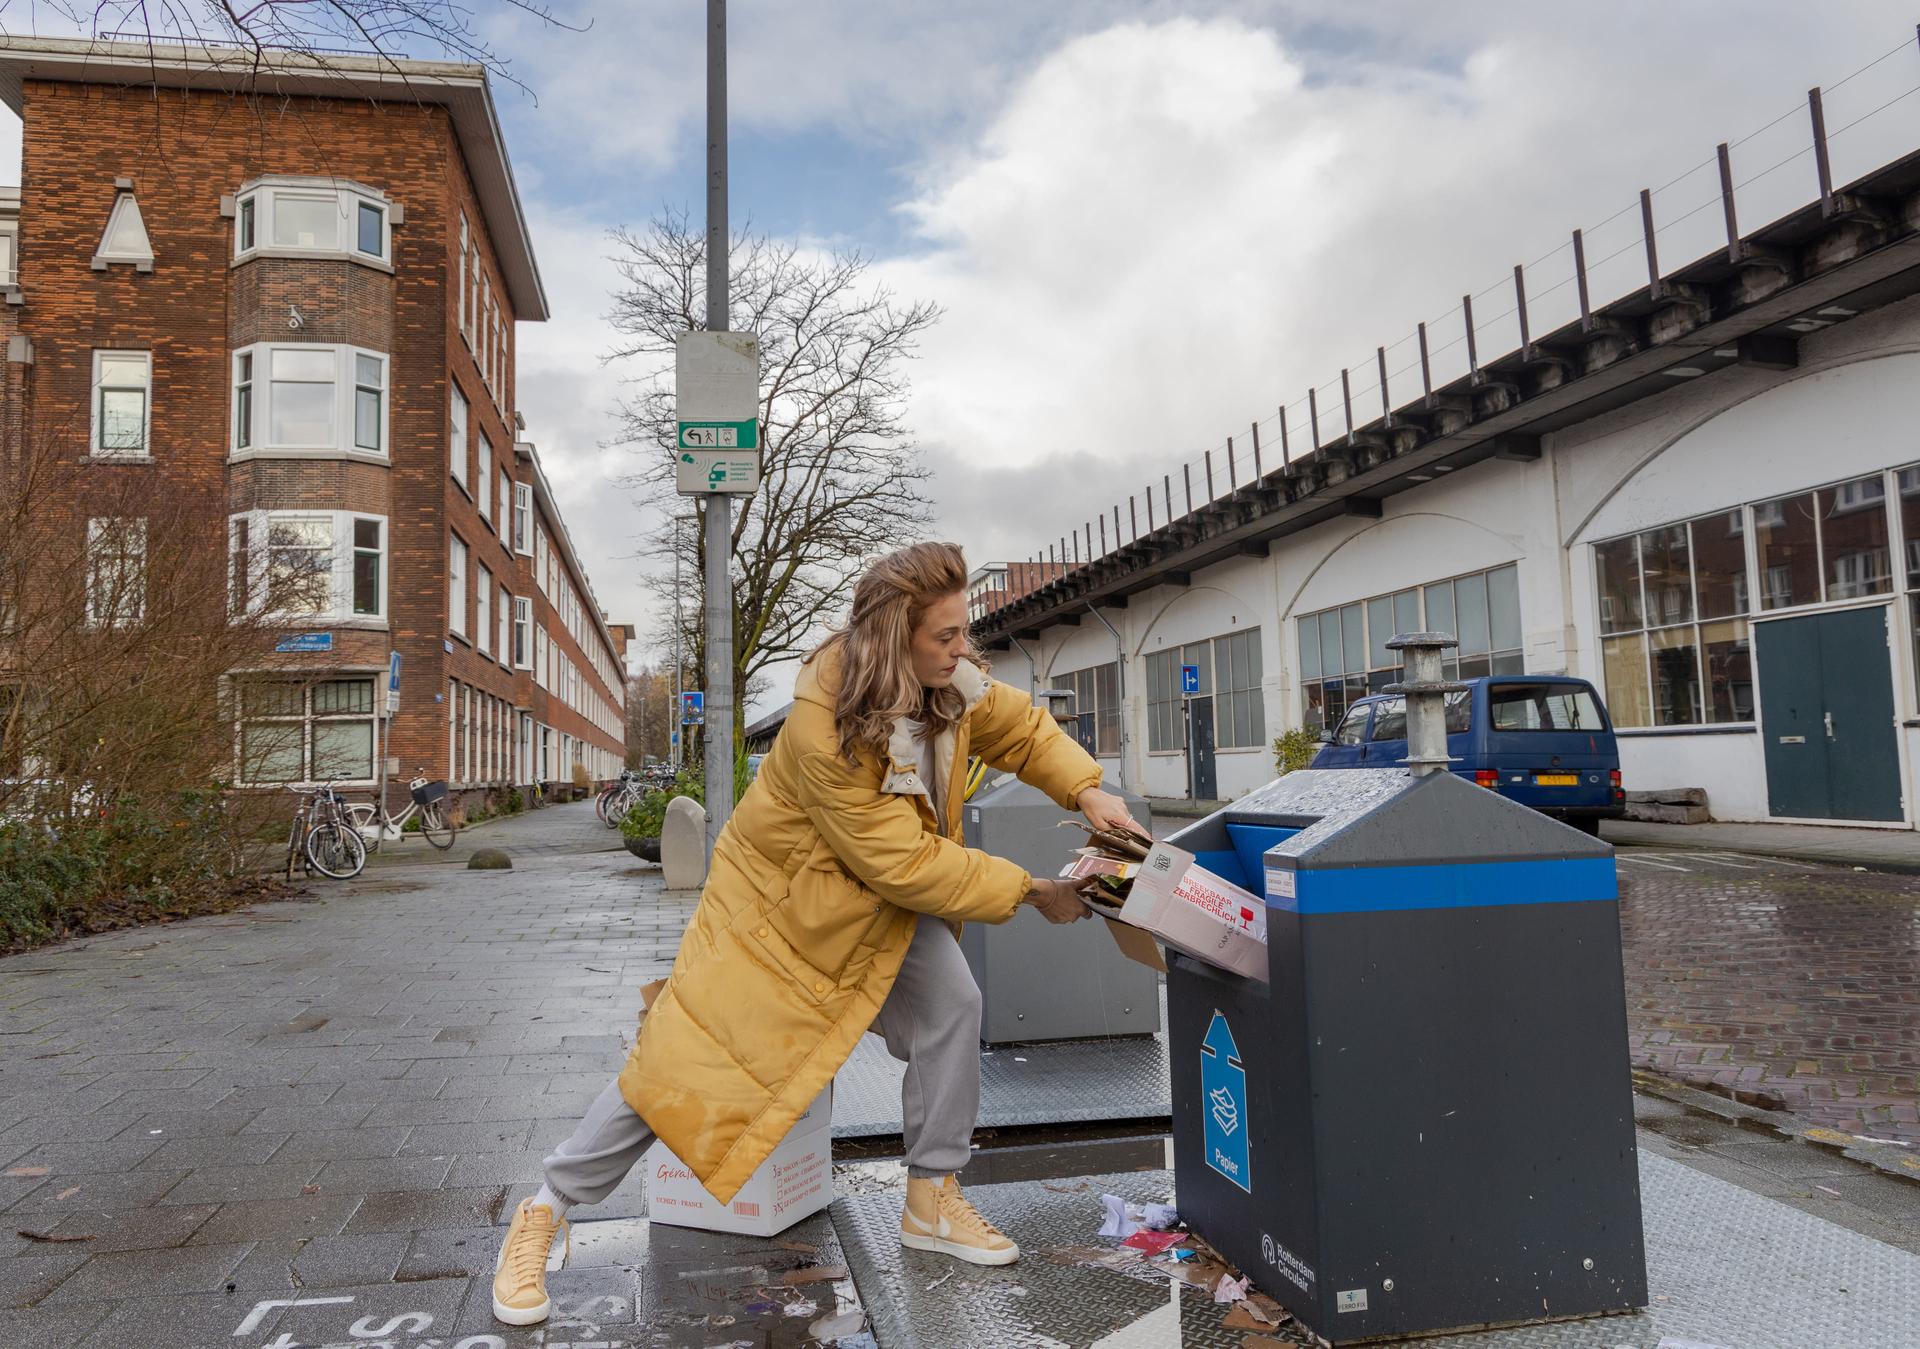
point(693, 708)
point(393, 672)
point(1189, 679)
point(305, 641)
point(1223, 1083)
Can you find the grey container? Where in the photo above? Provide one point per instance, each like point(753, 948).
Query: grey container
point(1041, 980)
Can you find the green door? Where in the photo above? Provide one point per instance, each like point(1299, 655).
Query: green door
point(1826, 716)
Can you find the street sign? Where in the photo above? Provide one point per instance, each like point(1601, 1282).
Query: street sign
point(716, 389)
point(1189, 679)
point(305, 641)
point(393, 682)
point(693, 708)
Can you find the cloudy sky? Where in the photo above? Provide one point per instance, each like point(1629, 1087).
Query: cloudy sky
point(1151, 224)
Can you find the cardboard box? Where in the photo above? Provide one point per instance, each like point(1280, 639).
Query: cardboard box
point(1176, 901)
point(794, 1182)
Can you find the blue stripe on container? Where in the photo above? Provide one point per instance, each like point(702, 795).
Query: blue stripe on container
point(1577, 880)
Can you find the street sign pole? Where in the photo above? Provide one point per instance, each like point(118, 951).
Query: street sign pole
point(384, 745)
point(719, 710)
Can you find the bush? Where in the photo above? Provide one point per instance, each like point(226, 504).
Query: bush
point(1294, 750)
point(647, 817)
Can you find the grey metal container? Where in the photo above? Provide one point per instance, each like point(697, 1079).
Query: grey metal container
point(1041, 980)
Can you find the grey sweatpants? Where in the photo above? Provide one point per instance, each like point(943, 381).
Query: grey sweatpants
point(931, 1021)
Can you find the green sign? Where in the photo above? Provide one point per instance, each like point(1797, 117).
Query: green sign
point(719, 436)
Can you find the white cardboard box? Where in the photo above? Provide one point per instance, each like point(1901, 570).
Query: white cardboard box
point(794, 1182)
point(1177, 901)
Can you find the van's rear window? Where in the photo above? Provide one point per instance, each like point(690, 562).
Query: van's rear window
point(1543, 707)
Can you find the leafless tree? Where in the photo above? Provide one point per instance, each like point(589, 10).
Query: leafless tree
point(841, 477)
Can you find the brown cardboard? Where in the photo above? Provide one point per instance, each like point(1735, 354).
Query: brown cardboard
point(1137, 944)
point(1189, 908)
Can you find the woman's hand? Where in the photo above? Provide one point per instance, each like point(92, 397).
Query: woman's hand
point(1058, 901)
point(1104, 810)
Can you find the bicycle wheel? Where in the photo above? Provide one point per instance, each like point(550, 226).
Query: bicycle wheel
point(603, 805)
point(293, 845)
point(435, 826)
point(337, 851)
point(366, 820)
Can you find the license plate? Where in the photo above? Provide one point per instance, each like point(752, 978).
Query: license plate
point(1556, 779)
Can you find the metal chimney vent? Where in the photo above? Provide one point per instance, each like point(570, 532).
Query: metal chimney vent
point(1426, 694)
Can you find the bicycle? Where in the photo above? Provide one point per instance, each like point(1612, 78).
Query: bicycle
point(323, 838)
point(618, 798)
point(375, 823)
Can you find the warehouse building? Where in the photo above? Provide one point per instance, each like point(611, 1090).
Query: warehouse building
point(1704, 497)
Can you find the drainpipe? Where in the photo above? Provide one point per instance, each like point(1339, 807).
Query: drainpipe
point(1033, 668)
point(1120, 656)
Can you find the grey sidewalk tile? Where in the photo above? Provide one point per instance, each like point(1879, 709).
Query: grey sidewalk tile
point(304, 1215)
point(459, 1110)
point(136, 1229)
point(208, 1123)
point(384, 1089)
point(93, 1127)
point(50, 1327)
point(496, 1168)
point(286, 1094)
point(333, 1145)
point(182, 1154)
point(378, 1175)
point(288, 1119)
point(234, 1184)
point(432, 1311)
point(267, 1270)
point(436, 1140)
point(125, 1274)
point(121, 1153)
point(98, 1190)
point(590, 1306)
point(197, 1321)
point(367, 1257)
point(25, 1279)
point(420, 1210)
point(450, 1253)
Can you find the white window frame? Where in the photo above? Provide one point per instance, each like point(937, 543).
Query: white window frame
point(346, 387)
point(540, 657)
point(124, 202)
point(459, 414)
point(505, 519)
point(483, 610)
point(465, 237)
point(523, 518)
point(503, 646)
point(457, 593)
point(522, 632)
point(252, 570)
point(130, 606)
point(483, 475)
point(96, 423)
point(307, 720)
point(265, 196)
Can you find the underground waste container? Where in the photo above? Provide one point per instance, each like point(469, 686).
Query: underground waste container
point(1423, 1120)
point(1041, 980)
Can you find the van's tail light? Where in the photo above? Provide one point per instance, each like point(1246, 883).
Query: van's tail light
point(1486, 777)
point(1619, 793)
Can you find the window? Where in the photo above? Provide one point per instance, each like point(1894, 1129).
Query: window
point(457, 437)
point(1096, 703)
point(314, 216)
point(122, 388)
point(456, 586)
point(316, 400)
point(293, 731)
point(503, 647)
point(1788, 542)
point(465, 236)
point(323, 564)
point(1542, 707)
point(522, 633)
point(523, 518)
point(1344, 654)
point(9, 258)
point(125, 238)
point(483, 613)
point(116, 572)
point(485, 480)
point(1353, 728)
point(540, 659)
point(505, 520)
point(1229, 669)
point(1853, 539)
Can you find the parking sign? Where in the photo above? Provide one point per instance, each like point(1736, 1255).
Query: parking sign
point(1189, 679)
point(693, 708)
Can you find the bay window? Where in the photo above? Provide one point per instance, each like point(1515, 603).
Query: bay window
point(304, 399)
point(313, 217)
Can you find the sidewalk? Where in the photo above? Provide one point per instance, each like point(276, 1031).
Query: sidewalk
point(550, 831)
point(1875, 849)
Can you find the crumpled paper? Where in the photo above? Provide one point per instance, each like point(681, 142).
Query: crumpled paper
point(1124, 1219)
point(1230, 1289)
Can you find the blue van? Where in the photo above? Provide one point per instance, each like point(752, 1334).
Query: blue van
point(1544, 740)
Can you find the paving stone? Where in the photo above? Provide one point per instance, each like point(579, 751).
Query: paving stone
point(216, 1121)
point(502, 1168)
point(420, 1210)
point(332, 1145)
point(198, 1321)
point(104, 1190)
point(305, 1215)
point(134, 1229)
point(366, 1257)
point(420, 1311)
point(25, 1279)
point(451, 1252)
point(436, 1140)
point(182, 1154)
point(123, 1274)
point(590, 1306)
point(234, 1184)
point(284, 1120)
point(373, 1175)
point(50, 1327)
point(119, 1153)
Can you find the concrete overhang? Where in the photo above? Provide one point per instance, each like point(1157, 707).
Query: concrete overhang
point(461, 88)
point(1748, 303)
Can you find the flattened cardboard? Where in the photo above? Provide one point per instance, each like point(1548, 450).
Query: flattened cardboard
point(1193, 910)
point(795, 1182)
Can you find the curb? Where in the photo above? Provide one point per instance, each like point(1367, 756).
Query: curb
point(1889, 1158)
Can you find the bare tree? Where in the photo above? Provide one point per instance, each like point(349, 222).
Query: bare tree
point(841, 477)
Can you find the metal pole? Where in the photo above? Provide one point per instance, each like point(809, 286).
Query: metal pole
point(677, 731)
point(719, 540)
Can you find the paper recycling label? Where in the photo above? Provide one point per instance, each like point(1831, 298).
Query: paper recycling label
point(1223, 1085)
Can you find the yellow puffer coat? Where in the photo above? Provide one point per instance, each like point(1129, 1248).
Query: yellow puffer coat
point(808, 909)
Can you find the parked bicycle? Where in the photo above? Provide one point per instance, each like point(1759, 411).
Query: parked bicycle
point(376, 824)
point(617, 798)
point(323, 836)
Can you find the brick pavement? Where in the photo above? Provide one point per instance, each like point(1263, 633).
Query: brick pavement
point(1795, 986)
point(338, 1100)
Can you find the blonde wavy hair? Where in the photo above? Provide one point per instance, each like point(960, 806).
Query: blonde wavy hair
point(877, 683)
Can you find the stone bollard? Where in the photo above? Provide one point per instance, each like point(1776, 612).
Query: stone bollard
point(683, 844)
point(489, 859)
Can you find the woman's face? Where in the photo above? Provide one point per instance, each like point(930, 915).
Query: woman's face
point(940, 641)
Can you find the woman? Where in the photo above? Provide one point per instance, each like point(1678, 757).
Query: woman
point(831, 906)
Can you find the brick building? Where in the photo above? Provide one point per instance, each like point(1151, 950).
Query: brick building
point(294, 292)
